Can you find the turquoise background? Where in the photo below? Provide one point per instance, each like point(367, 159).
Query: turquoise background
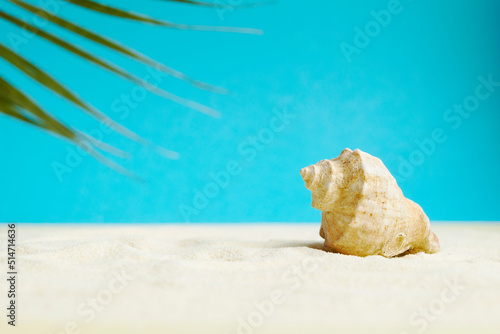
point(386, 98)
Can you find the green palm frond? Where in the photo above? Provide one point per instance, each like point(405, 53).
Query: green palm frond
point(16, 104)
point(18, 101)
point(107, 65)
point(46, 80)
point(20, 106)
point(114, 45)
point(104, 9)
point(220, 5)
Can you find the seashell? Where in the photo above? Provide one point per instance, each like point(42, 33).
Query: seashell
point(364, 212)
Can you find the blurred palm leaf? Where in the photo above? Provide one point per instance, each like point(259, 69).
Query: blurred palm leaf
point(20, 106)
point(98, 7)
point(113, 45)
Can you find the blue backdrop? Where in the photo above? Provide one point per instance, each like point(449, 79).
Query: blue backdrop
point(416, 83)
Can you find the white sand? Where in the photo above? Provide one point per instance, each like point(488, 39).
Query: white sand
point(209, 278)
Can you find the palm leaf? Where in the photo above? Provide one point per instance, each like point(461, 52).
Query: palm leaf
point(200, 3)
point(7, 108)
point(50, 83)
point(114, 45)
point(104, 9)
point(106, 65)
point(104, 146)
point(12, 101)
point(17, 99)
point(47, 81)
point(16, 104)
point(221, 5)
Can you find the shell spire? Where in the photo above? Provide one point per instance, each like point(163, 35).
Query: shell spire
point(364, 212)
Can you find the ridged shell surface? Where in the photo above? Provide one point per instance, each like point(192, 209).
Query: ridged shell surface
point(364, 212)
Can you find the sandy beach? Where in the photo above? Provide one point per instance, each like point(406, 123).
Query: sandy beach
point(248, 278)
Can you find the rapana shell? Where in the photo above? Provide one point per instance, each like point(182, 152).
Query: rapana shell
point(364, 211)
